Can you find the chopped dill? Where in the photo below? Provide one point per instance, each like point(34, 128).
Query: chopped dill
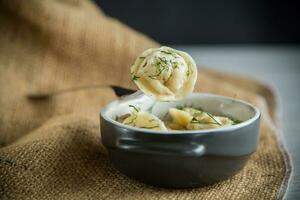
point(180, 107)
point(166, 52)
point(160, 69)
point(189, 71)
point(195, 121)
point(135, 108)
point(161, 66)
point(213, 118)
point(134, 77)
point(175, 65)
point(170, 53)
point(236, 121)
point(163, 60)
point(144, 65)
point(200, 109)
point(150, 127)
point(154, 76)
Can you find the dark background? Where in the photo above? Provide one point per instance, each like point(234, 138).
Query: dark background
point(210, 21)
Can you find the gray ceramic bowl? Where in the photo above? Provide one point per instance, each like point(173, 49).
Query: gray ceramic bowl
point(186, 158)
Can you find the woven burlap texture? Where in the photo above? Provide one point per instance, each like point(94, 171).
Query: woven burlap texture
point(57, 60)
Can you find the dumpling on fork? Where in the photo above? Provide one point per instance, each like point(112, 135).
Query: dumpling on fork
point(165, 74)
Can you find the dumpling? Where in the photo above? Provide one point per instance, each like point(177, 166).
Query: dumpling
point(142, 119)
point(206, 120)
point(164, 74)
point(180, 117)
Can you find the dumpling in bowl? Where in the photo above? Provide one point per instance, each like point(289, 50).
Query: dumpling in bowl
point(189, 118)
point(164, 74)
point(142, 119)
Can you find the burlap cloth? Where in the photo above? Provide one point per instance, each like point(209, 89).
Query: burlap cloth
point(50, 142)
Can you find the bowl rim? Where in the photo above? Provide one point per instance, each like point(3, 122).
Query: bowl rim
point(175, 132)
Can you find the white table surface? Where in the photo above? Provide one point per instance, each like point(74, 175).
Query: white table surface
point(279, 66)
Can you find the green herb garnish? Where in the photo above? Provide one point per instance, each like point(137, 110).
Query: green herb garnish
point(154, 76)
point(170, 53)
point(195, 121)
point(160, 70)
point(134, 77)
point(135, 108)
point(180, 107)
point(150, 127)
point(144, 65)
point(213, 118)
point(166, 52)
point(160, 67)
point(189, 71)
point(236, 121)
point(163, 59)
point(175, 65)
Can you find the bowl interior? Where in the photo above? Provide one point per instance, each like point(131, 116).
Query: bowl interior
point(215, 104)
